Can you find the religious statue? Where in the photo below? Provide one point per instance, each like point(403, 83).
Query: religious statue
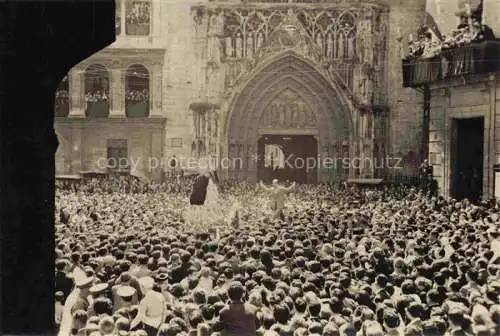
point(292, 114)
point(319, 42)
point(301, 114)
point(340, 45)
point(229, 47)
point(239, 46)
point(250, 44)
point(350, 46)
point(260, 40)
point(329, 45)
point(282, 115)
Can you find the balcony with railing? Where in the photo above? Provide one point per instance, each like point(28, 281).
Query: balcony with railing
point(465, 60)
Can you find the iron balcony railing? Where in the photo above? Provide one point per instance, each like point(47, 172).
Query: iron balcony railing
point(470, 59)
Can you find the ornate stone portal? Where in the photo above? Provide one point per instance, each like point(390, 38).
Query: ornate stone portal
point(295, 68)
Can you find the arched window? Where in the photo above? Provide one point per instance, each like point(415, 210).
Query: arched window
point(96, 91)
point(346, 38)
point(138, 17)
point(137, 91)
point(62, 99)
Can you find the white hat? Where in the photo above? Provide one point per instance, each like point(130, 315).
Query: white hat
point(125, 291)
point(82, 282)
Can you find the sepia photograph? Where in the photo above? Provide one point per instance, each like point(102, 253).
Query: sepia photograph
point(250, 167)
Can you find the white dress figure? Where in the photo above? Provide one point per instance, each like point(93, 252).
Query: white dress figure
point(212, 198)
point(204, 213)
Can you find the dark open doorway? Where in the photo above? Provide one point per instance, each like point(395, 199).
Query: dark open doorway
point(288, 158)
point(467, 158)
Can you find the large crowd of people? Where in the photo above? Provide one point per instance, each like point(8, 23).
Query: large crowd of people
point(62, 97)
point(427, 44)
point(137, 96)
point(139, 13)
point(96, 96)
point(341, 260)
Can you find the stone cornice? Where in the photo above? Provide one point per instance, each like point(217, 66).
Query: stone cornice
point(123, 56)
point(461, 81)
point(156, 122)
point(217, 5)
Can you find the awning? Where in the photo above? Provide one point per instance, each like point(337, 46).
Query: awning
point(203, 106)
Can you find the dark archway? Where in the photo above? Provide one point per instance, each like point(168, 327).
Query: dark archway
point(137, 91)
point(40, 41)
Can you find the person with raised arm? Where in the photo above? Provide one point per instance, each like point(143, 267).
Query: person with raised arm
point(277, 193)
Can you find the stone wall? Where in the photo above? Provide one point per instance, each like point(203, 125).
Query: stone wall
point(478, 98)
point(405, 104)
point(84, 145)
point(184, 75)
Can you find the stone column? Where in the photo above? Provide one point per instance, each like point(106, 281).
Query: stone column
point(76, 81)
point(123, 13)
point(155, 91)
point(117, 94)
point(75, 151)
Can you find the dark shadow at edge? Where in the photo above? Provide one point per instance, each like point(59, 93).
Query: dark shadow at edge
point(39, 42)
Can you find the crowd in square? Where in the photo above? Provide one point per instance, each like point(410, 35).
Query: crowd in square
point(341, 260)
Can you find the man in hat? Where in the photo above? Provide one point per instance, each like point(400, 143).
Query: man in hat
point(277, 193)
point(77, 300)
point(126, 297)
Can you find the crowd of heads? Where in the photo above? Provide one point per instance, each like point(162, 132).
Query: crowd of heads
point(139, 14)
point(62, 97)
point(96, 96)
point(428, 45)
point(341, 260)
point(137, 96)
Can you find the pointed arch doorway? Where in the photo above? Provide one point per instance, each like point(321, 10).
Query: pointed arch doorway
point(288, 157)
point(290, 102)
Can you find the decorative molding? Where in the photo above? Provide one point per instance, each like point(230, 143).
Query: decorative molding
point(176, 142)
point(288, 110)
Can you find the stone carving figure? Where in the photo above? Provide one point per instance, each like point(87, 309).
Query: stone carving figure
point(329, 46)
point(284, 116)
point(301, 114)
point(213, 47)
point(292, 114)
point(319, 41)
point(229, 46)
point(340, 44)
point(239, 46)
point(260, 40)
point(250, 44)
